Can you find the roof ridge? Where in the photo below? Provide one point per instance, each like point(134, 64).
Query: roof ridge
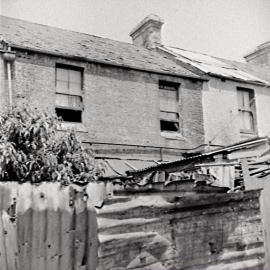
point(50, 39)
point(70, 30)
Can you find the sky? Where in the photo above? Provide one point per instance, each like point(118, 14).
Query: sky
point(223, 28)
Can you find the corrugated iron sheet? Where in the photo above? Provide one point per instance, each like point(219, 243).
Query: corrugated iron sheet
point(212, 65)
point(227, 149)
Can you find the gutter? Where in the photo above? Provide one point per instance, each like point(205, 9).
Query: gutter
point(85, 59)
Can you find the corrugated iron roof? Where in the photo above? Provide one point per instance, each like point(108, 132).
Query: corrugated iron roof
point(215, 66)
point(48, 39)
point(227, 149)
point(118, 167)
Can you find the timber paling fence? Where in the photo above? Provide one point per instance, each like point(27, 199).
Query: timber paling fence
point(47, 227)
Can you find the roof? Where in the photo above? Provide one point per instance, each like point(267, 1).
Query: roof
point(117, 167)
point(219, 67)
point(223, 150)
point(52, 40)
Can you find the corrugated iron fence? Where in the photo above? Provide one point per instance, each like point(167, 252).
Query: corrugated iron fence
point(47, 227)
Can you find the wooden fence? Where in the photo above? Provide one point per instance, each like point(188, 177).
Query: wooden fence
point(47, 227)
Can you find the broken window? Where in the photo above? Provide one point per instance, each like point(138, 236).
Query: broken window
point(169, 102)
point(69, 101)
point(246, 109)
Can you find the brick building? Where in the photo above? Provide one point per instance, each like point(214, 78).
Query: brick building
point(235, 96)
point(140, 101)
point(114, 94)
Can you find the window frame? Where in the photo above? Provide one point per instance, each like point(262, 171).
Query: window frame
point(175, 87)
point(70, 108)
point(251, 110)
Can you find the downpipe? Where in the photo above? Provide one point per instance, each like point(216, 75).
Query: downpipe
point(9, 58)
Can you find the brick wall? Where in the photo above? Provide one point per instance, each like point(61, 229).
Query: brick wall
point(196, 232)
point(121, 105)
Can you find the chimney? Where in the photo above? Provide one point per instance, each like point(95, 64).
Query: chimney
point(260, 56)
point(148, 32)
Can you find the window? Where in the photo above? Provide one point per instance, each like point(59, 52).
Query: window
point(169, 99)
point(246, 108)
point(69, 102)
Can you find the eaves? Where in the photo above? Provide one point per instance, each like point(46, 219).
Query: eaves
point(85, 59)
point(238, 80)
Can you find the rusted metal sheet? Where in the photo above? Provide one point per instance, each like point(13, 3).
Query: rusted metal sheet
point(46, 226)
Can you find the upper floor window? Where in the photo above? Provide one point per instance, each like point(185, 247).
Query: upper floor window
point(69, 101)
point(169, 103)
point(246, 109)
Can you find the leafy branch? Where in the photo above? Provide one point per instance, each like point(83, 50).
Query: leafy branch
point(32, 150)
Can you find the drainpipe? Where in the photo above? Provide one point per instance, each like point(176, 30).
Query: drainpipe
point(9, 58)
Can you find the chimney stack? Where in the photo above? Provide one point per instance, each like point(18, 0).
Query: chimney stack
point(148, 32)
point(260, 56)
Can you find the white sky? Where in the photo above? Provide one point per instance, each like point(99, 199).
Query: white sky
point(224, 28)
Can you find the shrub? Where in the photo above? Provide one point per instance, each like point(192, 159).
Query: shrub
point(32, 150)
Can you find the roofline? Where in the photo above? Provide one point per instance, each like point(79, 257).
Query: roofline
point(238, 80)
point(213, 74)
point(229, 148)
point(85, 59)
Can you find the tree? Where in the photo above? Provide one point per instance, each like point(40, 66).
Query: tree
point(32, 150)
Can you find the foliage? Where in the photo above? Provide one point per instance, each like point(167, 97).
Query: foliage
point(32, 150)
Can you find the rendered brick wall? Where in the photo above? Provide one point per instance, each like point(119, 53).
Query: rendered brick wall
point(121, 105)
point(220, 110)
point(196, 232)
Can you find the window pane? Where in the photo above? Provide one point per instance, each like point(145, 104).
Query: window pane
point(61, 74)
point(171, 116)
point(75, 89)
point(62, 87)
point(246, 120)
point(168, 100)
point(67, 101)
point(75, 102)
point(240, 99)
point(246, 100)
point(75, 76)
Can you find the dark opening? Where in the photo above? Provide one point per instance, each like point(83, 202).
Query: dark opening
point(169, 126)
point(69, 115)
point(168, 85)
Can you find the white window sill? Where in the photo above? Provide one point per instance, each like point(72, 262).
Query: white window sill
point(172, 135)
point(79, 127)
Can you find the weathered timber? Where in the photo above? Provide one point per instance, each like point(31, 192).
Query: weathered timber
point(198, 231)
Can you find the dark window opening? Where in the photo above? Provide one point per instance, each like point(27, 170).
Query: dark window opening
point(169, 126)
point(172, 86)
point(69, 115)
point(169, 106)
point(69, 94)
